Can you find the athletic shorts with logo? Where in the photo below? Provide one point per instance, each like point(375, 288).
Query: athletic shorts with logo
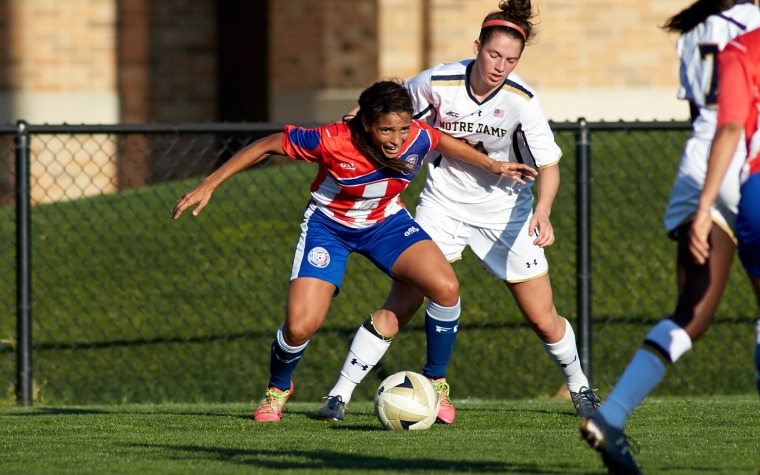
point(324, 245)
point(507, 252)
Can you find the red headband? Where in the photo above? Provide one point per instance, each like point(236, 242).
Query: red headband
point(508, 24)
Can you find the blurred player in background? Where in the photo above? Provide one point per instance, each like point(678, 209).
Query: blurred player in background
point(483, 102)
point(738, 106)
point(704, 28)
point(355, 206)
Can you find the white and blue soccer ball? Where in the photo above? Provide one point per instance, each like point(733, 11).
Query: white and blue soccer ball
point(406, 401)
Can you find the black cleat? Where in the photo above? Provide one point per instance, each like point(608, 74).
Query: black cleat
point(334, 409)
point(611, 442)
point(586, 402)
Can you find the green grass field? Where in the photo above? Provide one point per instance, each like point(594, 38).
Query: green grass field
point(676, 437)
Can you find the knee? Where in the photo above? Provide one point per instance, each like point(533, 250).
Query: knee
point(447, 292)
point(296, 333)
point(548, 326)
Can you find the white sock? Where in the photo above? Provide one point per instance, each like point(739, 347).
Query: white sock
point(564, 353)
point(366, 351)
point(664, 345)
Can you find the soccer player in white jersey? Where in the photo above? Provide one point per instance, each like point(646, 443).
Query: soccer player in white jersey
point(705, 28)
point(483, 102)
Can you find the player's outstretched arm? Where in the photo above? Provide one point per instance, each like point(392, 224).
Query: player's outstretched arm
point(250, 155)
point(460, 150)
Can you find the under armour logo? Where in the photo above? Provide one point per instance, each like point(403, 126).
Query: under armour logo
point(480, 113)
point(355, 362)
point(534, 263)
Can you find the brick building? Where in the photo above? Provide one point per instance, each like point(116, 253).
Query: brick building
point(110, 61)
point(136, 61)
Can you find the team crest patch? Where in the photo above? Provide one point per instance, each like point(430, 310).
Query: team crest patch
point(411, 163)
point(319, 257)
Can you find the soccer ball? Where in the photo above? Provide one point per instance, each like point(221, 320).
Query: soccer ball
point(406, 401)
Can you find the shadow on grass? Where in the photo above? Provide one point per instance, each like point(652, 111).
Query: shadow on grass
point(54, 411)
point(68, 411)
point(311, 460)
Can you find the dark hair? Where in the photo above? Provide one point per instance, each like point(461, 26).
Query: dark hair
point(698, 12)
point(518, 12)
point(384, 97)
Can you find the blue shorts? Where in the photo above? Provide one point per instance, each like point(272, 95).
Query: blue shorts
point(748, 225)
point(324, 246)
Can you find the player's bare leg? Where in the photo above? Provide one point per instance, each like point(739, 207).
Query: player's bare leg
point(308, 302)
point(700, 287)
point(535, 300)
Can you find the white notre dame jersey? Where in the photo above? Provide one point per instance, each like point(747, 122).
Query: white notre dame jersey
point(442, 97)
point(698, 50)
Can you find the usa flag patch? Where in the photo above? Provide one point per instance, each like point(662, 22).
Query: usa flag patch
point(498, 113)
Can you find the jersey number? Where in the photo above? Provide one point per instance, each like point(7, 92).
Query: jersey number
point(709, 53)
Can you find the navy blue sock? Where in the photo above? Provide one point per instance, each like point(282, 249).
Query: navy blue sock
point(441, 327)
point(283, 361)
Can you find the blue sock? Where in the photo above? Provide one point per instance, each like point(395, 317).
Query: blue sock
point(283, 361)
point(441, 327)
point(643, 373)
point(663, 346)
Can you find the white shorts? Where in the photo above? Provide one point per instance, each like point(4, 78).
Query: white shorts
point(508, 253)
point(684, 197)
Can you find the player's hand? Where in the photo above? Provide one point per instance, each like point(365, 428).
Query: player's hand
point(516, 171)
point(698, 234)
point(200, 195)
point(541, 228)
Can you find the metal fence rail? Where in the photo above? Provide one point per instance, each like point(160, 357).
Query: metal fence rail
point(114, 302)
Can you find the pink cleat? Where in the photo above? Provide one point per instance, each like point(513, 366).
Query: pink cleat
point(270, 407)
point(446, 411)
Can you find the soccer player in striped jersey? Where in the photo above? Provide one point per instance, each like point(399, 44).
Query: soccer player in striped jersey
point(705, 28)
point(355, 206)
point(485, 103)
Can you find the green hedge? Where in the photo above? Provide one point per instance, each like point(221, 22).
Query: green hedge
point(131, 306)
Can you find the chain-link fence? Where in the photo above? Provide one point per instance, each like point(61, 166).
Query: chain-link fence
point(127, 305)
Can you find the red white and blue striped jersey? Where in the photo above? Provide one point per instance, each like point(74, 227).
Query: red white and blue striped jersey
point(739, 95)
point(350, 188)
